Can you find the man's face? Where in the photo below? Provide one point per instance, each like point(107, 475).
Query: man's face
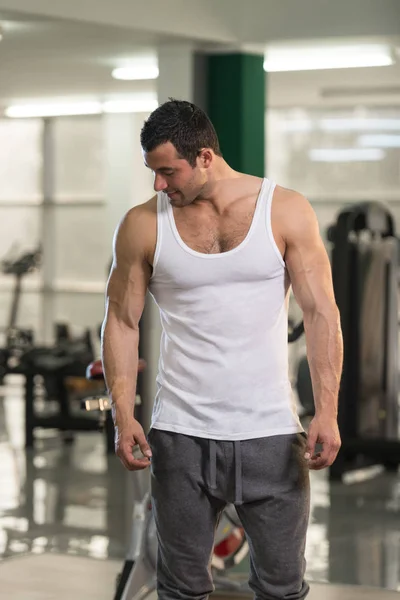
point(174, 175)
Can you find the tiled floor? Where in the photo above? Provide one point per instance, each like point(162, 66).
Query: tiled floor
point(48, 576)
point(73, 500)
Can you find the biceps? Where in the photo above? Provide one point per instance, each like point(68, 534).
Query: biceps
point(310, 275)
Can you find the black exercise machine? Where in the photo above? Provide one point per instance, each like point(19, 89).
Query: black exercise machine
point(295, 331)
point(364, 270)
point(55, 365)
point(364, 261)
point(67, 358)
point(17, 340)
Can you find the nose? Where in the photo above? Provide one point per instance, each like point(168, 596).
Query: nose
point(159, 183)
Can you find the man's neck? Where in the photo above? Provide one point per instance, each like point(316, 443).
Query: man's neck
point(216, 190)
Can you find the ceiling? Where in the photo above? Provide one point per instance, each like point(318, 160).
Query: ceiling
point(44, 58)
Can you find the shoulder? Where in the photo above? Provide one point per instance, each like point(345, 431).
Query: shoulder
point(293, 214)
point(141, 214)
point(137, 230)
point(286, 200)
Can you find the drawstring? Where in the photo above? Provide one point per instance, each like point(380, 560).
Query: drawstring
point(238, 474)
point(238, 470)
point(213, 464)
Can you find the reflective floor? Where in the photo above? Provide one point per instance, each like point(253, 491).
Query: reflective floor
point(73, 499)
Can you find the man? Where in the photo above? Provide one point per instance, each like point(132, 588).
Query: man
point(218, 250)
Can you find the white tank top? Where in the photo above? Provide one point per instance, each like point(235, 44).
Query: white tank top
point(223, 368)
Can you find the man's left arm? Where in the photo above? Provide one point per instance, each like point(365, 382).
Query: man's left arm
point(309, 270)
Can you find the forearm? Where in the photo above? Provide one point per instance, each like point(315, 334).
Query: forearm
point(120, 362)
point(325, 358)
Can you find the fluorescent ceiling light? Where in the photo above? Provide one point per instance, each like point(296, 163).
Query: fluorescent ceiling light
point(346, 155)
point(136, 72)
point(379, 141)
point(139, 67)
point(53, 110)
point(339, 57)
point(140, 103)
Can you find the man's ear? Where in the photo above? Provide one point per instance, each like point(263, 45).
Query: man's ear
point(205, 157)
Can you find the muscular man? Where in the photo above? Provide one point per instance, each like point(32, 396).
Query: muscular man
point(218, 250)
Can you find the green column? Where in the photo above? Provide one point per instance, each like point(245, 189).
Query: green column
point(236, 106)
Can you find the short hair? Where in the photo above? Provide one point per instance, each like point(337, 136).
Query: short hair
point(185, 125)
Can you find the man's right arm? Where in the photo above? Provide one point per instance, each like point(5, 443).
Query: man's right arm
point(125, 298)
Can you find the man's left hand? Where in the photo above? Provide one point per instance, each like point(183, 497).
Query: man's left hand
point(322, 430)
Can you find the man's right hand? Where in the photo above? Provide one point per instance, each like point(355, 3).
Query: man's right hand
point(128, 435)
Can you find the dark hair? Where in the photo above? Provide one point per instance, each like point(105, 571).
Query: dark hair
point(182, 123)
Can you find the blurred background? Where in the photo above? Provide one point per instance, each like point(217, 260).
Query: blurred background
point(310, 92)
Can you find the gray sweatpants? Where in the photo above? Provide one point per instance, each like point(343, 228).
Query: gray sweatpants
point(193, 479)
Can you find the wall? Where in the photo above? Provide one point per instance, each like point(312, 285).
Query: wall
point(21, 198)
point(334, 88)
point(336, 109)
point(361, 112)
point(64, 184)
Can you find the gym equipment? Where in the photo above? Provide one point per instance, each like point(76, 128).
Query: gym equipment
point(295, 331)
point(20, 267)
point(304, 387)
point(17, 340)
point(364, 270)
point(302, 377)
point(138, 577)
point(56, 365)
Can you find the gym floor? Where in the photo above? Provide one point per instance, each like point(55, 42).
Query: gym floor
point(62, 502)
